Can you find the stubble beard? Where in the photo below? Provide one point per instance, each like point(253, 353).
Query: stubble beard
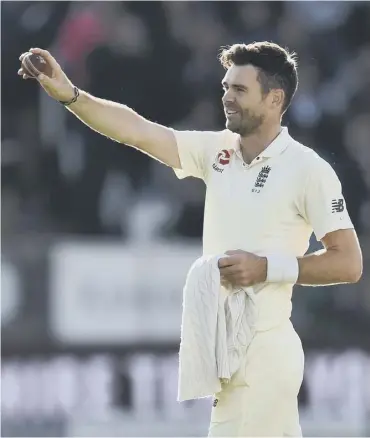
point(247, 125)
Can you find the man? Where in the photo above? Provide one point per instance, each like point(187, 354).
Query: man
point(266, 193)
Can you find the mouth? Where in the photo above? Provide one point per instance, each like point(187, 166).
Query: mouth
point(231, 114)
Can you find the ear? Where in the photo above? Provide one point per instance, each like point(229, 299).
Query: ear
point(278, 96)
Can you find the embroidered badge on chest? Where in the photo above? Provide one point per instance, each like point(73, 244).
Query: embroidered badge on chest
point(223, 159)
point(261, 179)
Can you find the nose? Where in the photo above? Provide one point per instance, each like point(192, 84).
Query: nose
point(228, 97)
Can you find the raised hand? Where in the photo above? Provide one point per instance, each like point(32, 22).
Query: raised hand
point(58, 86)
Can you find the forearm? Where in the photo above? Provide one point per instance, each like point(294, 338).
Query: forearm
point(114, 120)
point(111, 119)
point(122, 124)
point(326, 267)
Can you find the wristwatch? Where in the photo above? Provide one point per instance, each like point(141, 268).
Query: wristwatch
point(74, 98)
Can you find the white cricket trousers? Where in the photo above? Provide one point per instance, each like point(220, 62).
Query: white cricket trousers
point(261, 398)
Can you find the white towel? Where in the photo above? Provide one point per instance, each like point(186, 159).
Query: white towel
point(217, 327)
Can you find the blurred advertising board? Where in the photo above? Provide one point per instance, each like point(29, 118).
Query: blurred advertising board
point(118, 394)
point(95, 294)
point(117, 294)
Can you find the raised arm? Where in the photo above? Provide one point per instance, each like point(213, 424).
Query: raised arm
point(111, 119)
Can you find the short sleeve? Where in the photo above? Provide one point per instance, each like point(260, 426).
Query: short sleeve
point(324, 206)
point(197, 151)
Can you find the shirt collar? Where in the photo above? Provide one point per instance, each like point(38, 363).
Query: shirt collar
point(276, 147)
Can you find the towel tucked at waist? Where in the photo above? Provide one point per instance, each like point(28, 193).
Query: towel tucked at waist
point(217, 327)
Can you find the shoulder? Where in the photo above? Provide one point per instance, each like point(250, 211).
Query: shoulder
point(207, 138)
point(308, 161)
point(206, 143)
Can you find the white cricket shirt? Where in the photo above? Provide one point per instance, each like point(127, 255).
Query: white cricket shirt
point(271, 206)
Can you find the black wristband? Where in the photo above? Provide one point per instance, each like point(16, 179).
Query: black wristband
point(73, 100)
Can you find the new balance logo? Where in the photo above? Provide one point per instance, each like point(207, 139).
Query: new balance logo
point(337, 205)
point(261, 179)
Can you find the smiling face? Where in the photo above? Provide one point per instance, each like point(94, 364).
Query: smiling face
point(246, 106)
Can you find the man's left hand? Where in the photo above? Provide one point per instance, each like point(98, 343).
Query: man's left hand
point(242, 268)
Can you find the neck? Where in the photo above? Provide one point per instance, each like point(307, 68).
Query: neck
point(252, 145)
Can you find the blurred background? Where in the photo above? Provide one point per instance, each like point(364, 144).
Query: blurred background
point(97, 238)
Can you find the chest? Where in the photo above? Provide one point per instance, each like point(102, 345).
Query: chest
point(260, 194)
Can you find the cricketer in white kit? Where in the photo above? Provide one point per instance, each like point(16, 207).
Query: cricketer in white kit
point(268, 206)
point(266, 194)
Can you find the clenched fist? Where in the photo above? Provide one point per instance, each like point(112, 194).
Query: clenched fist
point(58, 86)
point(242, 268)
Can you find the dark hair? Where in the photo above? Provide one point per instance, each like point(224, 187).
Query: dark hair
point(277, 67)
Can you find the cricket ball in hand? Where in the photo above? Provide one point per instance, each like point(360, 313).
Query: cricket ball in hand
point(34, 64)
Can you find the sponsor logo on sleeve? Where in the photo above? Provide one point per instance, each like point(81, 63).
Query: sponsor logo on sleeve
point(337, 205)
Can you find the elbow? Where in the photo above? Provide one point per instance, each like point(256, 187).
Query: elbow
point(354, 271)
point(355, 276)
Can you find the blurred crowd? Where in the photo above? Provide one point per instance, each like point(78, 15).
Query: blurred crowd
point(60, 177)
